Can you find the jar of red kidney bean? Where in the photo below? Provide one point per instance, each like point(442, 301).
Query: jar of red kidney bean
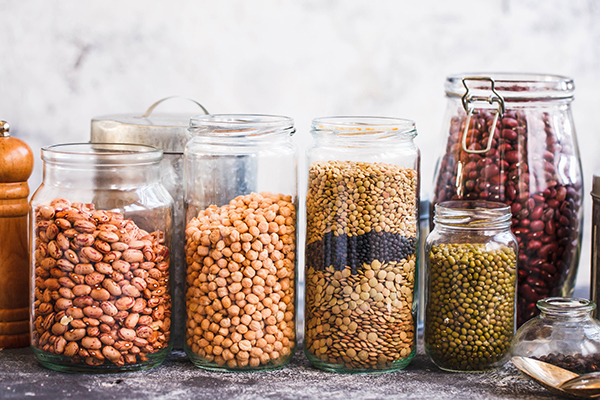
point(510, 138)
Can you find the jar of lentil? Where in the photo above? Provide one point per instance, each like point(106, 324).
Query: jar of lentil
point(470, 286)
point(510, 138)
point(241, 198)
point(100, 240)
point(564, 334)
point(362, 211)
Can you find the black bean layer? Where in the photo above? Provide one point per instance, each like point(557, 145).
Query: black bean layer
point(353, 251)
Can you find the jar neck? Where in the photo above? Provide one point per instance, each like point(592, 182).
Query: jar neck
point(512, 87)
point(566, 308)
point(241, 129)
point(465, 216)
point(363, 131)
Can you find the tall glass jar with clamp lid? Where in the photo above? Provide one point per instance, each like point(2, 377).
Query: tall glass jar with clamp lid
point(510, 138)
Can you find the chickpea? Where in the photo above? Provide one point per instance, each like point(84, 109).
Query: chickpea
point(239, 247)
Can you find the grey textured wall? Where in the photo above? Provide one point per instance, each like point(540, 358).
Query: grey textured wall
point(64, 62)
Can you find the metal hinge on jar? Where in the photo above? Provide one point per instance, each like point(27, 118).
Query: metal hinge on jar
point(470, 101)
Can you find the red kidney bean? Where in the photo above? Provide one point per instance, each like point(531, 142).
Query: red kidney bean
point(536, 226)
point(536, 213)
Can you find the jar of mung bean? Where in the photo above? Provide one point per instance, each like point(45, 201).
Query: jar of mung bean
point(240, 242)
point(470, 286)
point(362, 230)
point(100, 230)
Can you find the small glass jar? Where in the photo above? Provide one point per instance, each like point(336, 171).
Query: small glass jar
point(511, 138)
point(241, 199)
point(362, 211)
point(564, 334)
point(470, 286)
point(100, 240)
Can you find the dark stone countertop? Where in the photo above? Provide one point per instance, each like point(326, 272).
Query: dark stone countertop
point(21, 377)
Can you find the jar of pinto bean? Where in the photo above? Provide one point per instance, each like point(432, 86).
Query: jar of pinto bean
point(100, 239)
point(510, 138)
point(362, 211)
point(471, 258)
point(241, 215)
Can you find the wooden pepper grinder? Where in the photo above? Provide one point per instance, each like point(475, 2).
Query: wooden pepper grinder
point(16, 165)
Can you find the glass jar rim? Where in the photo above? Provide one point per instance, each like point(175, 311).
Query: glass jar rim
point(514, 86)
point(362, 127)
point(565, 305)
point(241, 125)
point(101, 154)
point(472, 214)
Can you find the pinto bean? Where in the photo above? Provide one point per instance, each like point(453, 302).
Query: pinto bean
point(91, 267)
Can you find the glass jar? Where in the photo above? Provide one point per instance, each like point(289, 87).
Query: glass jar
point(241, 198)
point(470, 286)
point(362, 211)
point(511, 139)
point(100, 240)
point(564, 334)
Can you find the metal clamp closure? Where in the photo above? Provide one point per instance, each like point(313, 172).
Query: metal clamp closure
point(469, 101)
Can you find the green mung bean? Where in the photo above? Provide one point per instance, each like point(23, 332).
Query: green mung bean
point(469, 317)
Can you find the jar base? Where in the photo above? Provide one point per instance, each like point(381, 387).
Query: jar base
point(212, 366)
point(67, 364)
point(479, 371)
point(494, 367)
point(342, 369)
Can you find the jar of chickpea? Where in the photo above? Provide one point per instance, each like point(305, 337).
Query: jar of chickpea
point(241, 200)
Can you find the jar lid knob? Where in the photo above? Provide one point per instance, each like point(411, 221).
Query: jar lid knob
point(4, 127)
